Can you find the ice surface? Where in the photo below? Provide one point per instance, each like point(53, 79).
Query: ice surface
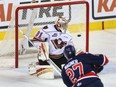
point(100, 42)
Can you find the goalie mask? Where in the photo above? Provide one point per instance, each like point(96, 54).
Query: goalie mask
point(61, 24)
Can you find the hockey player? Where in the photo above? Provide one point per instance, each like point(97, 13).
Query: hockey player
point(57, 37)
point(81, 69)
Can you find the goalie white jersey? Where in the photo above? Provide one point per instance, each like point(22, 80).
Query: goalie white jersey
point(55, 38)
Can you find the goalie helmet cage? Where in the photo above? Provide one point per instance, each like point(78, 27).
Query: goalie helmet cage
point(44, 5)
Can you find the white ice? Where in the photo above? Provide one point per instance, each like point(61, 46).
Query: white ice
point(100, 42)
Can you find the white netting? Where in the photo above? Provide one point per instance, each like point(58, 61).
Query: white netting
point(7, 46)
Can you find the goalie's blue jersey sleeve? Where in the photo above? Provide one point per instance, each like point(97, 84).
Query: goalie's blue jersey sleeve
point(82, 67)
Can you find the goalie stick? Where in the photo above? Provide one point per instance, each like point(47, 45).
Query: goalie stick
point(49, 61)
point(32, 18)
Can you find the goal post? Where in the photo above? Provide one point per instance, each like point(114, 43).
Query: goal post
point(76, 12)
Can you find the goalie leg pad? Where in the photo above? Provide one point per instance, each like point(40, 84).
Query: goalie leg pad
point(41, 71)
point(45, 72)
point(32, 69)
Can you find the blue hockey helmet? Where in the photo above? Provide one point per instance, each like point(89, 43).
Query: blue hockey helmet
point(69, 51)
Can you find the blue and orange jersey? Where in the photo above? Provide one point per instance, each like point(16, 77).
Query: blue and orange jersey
point(82, 67)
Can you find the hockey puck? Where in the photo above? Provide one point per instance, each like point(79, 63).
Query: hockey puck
point(79, 35)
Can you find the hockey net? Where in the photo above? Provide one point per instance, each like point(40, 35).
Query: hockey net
point(28, 19)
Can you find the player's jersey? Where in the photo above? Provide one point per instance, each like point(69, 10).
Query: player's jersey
point(81, 67)
point(55, 38)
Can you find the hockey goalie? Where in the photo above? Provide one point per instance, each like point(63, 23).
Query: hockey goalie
point(57, 36)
